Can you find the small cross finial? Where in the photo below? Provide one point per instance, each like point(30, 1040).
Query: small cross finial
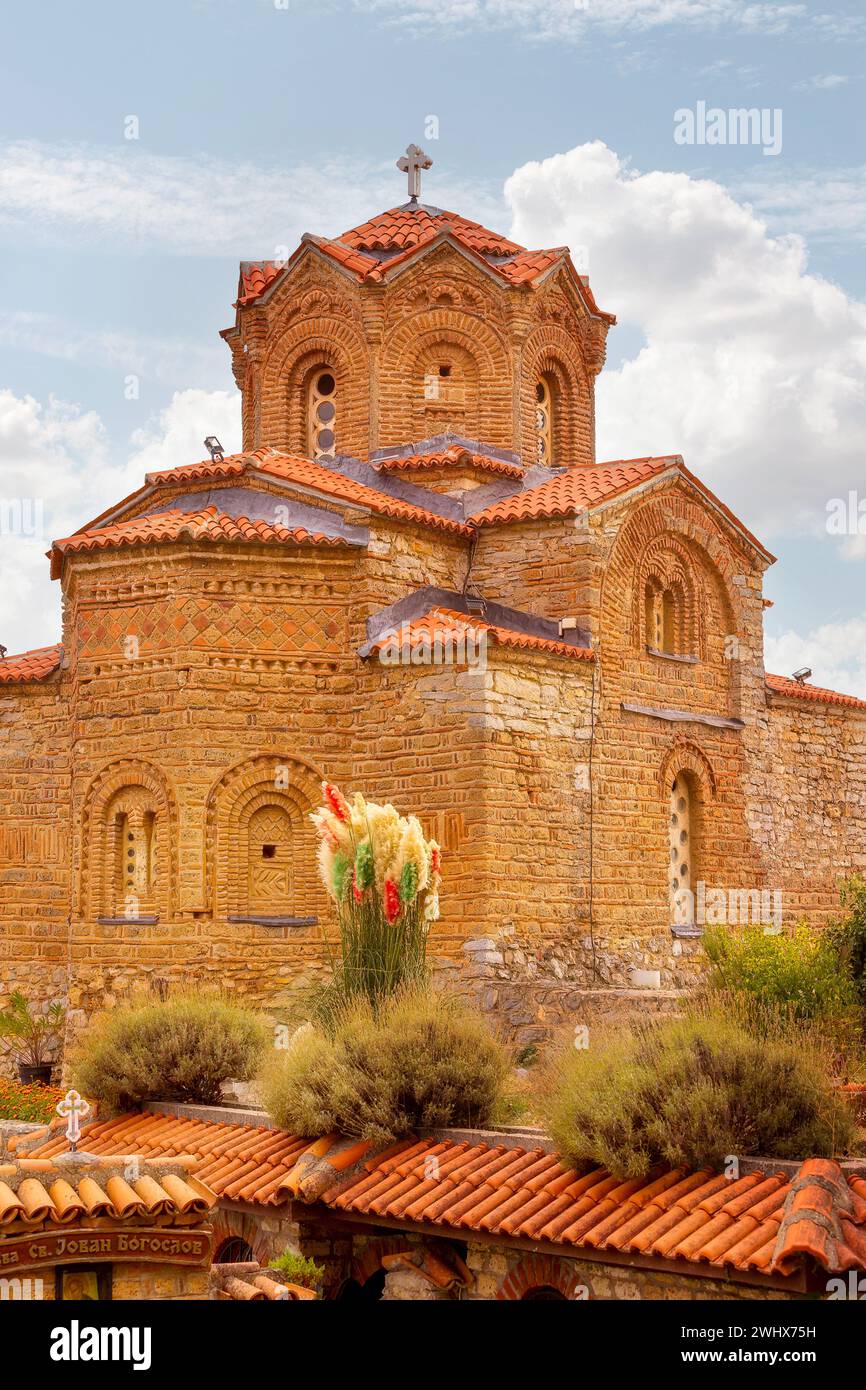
point(411, 163)
point(75, 1107)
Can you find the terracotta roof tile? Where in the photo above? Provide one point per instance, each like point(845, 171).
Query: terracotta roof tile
point(573, 491)
point(444, 624)
point(791, 689)
point(209, 524)
point(31, 666)
point(453, 457)
point(375, 247)
point(309, 475)
point(757, 1223)
point(60, 1190)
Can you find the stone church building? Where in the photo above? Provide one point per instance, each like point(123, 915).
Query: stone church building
point(417, 580)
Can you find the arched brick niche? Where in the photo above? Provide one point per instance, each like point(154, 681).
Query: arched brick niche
point(129, 843)
point(536, 1272)
point(551, 356)
point(234, 1225)
point(687, 786)
point(670, 607)
point(444, 368)
point(369, 1260)
point(296, 355)
point(260, 846)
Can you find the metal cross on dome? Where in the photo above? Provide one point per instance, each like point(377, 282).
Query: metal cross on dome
point(411, 163)
point(75, 1107)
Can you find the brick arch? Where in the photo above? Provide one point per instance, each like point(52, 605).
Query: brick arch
point(231, 1225)
point(667, 561)
point(540, 1271)
point(233, 800)
point(685, 756)
point(486, 416)
point(365, 1265)
point(678, 523)
point(324, 338)
point(115, 777)
point(550, 350)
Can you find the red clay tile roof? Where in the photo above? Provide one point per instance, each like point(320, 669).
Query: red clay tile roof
point(784, 685)
point(453, 457)
point(306, 474)
point(31, 666)
point(210, 524)
point(582, 487)
point(47, 1192)
point(239, 1162)
point(371, 250)
point(760, 1224)
point(573, 491)
point(446, 623)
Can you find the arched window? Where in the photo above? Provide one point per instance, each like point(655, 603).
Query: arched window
point(269, 860)
point(544, 421)
point(544, 1293)
point(235, 1250)
point(682, 851)
point(321, 412)
point(664, 618)
point(131, 830)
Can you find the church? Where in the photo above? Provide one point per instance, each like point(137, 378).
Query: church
point(416, 580)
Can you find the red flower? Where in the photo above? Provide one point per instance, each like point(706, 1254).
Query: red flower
point(336, 801)
point(436, 859)
point(357, 893)
point(392, 901)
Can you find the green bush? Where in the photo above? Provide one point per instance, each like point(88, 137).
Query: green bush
point(299, 1270)
point(417, 1061)
point(847, 935)
point(693, 1091)
point(797, 971)
point(181, 1049)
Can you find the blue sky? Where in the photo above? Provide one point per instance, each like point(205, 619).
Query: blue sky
point(738, 277)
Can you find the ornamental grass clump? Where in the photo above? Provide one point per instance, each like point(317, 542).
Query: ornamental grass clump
point(182, 1048)
point(382, 1071)
point(694, 1091)
point(383, 877)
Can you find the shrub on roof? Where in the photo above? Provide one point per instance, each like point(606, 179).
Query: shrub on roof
point(182, 1048)
point(722, 1081)
point(417, 1060)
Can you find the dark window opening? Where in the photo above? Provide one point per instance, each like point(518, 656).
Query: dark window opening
point(545, 1293)
point(269, 851)
point(234, 1251)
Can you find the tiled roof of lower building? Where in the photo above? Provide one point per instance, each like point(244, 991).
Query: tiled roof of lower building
point(31, 666)
point(796, 690)
point(443, 624)
point(208, 524)
point(762, 1223)
point(56, 1191)
point(453, 457)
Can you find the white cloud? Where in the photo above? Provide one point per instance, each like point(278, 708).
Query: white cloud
point(753, 369)
point(836, 652)
point(572, 20)
point(78, 196)
point(827, 205)
point(822, 82)
point(56, 473)
point(177, 436)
